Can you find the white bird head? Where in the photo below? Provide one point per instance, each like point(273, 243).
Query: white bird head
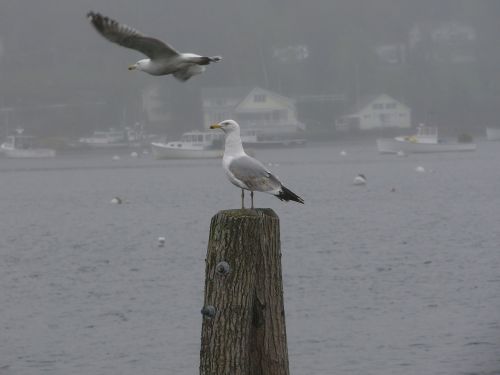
point(139, 65)
point(227, 126)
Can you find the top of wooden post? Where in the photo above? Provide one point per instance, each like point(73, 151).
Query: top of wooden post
point(256, 212)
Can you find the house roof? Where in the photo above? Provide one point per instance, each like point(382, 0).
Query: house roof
point(362, 102)
point(365, 100)
point(275, 94)
point(237, 92)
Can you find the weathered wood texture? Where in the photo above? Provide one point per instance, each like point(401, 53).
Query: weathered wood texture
point(247, 335)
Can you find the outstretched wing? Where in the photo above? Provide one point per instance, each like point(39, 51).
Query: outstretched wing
point(128, 37)
point(253, 174)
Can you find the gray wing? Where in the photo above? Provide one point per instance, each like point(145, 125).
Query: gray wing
point(253, 174)
point(128, 37)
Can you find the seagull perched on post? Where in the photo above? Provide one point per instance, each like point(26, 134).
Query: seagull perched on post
point(163, 59)
point(246, 172)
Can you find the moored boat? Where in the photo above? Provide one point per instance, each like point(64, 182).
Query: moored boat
point(192, 145)
point(106, 139)
point(24, 146)
point(425, 141)
point(259, 139)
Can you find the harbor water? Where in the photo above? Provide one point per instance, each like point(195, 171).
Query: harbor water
point(400, 276)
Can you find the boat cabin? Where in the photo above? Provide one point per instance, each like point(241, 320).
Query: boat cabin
point(199, 139)
point(20, 142)
point(425, 134)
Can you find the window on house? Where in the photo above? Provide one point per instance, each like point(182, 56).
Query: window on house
point(378, 106)
point(259, 98)
point(390, 105)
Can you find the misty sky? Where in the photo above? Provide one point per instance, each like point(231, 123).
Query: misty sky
point(50, 54)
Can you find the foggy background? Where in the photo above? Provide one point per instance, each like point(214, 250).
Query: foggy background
point(441, 58)
point(399, 276)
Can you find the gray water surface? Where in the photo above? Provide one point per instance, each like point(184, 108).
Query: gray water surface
point(376, 281)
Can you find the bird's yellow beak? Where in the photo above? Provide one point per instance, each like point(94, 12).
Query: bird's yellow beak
point(132, 67)
point(215, 126)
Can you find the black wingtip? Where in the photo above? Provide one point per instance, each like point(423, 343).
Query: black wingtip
point(288, 195)
point(100, 22)
point(95, 19)
point(91, 15)
point(98, 19)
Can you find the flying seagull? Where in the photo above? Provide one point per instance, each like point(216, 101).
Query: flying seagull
point(246, 172)
point(163, 59)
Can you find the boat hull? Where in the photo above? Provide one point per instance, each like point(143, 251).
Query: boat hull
point(161, 152)
point(104, 144)
point(276, 144)
point(393, 146)
point(493, 134)
point(30, 153)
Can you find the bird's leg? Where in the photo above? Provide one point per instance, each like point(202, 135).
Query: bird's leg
point(242, 199)
point(251, 197)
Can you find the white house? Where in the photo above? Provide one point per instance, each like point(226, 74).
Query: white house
point(376, 112)
point(253, 108)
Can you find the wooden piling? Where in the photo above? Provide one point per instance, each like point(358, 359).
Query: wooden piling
point(243, 329)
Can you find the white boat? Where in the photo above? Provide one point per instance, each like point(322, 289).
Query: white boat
point(425, 141)
point(192, 145)
point(493, 134)
point(259, 139)
point(24, 146)
point(108, 138)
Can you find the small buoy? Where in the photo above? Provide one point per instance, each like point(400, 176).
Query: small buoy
point(161, 241)
point(116, 200)
point(134, 154)
point(343, 153)
point(420, 169)
point(208, 311)
point(360, 179)
point(401, 153)
point(116, 157)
